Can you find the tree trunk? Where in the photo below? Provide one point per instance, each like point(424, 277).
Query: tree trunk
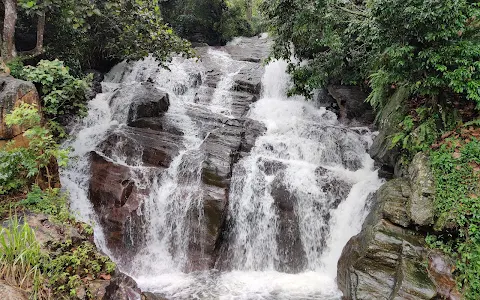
point(249, 9)
point(40, 33)
point(8, 42)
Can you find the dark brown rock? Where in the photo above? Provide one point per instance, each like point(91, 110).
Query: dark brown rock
point(116, 199)
point(147, 101)
point(291, 256)
point(140, 145)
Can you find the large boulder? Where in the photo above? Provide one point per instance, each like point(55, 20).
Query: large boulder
point(117, 199)
point(122, 287)
point(13, 92)
point(388, 259)
point(384, 262)
point(291, 255)
point(148, 102)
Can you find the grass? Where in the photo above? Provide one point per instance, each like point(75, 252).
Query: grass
point(21, 257)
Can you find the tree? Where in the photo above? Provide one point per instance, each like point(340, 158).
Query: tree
point(128, 29)
point(336, 38)
point(9, 22)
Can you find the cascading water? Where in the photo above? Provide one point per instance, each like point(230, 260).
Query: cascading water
point(294, 200)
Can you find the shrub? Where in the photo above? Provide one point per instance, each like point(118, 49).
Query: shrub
point(51, 202)
point(20, 257)
point(62, 94)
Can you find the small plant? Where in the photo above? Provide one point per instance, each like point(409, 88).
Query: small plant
point(20, 257)
point(76, 264)
point(51, 202)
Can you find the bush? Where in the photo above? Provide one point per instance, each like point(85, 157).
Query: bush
point(62, 94)
point(51, 202)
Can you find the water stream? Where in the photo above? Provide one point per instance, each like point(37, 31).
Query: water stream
point(294, 201)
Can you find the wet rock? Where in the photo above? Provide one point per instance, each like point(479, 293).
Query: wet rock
point(336, 190)
point(250, 50)
point(291, 255)
point(8, 292)
point(140, 146)
point(152, 296)
point(270, 166)
point(249, 79)
point(116, 200)
point(421, 203)
point(148, 101)
point(220, 150)
point(122, 287)
point(241, 103)
point(384, 262)
point(351, 101)
point(252, 130)
point(389, 119)
point(96, 86)
point(13, 92)
point(388, 259)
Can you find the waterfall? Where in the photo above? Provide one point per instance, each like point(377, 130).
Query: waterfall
point(294, 199)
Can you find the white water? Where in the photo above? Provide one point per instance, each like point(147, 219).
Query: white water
point(299, 135)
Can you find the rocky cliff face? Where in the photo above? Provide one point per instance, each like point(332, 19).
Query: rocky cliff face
point(389, 258)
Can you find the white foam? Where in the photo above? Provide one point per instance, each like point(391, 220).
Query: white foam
point(300, 136)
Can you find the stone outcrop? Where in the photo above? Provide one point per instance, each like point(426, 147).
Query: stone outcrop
point(13, 92)
point(389, 258)
point(389, 118)
point(351, 103)
point(148, 102)
point(421, 206)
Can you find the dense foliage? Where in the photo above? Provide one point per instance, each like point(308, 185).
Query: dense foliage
point(62, 94)
point(98, 33)
point(429, 46)
point(56, 274)
point(212, 22)
point(456, 167)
